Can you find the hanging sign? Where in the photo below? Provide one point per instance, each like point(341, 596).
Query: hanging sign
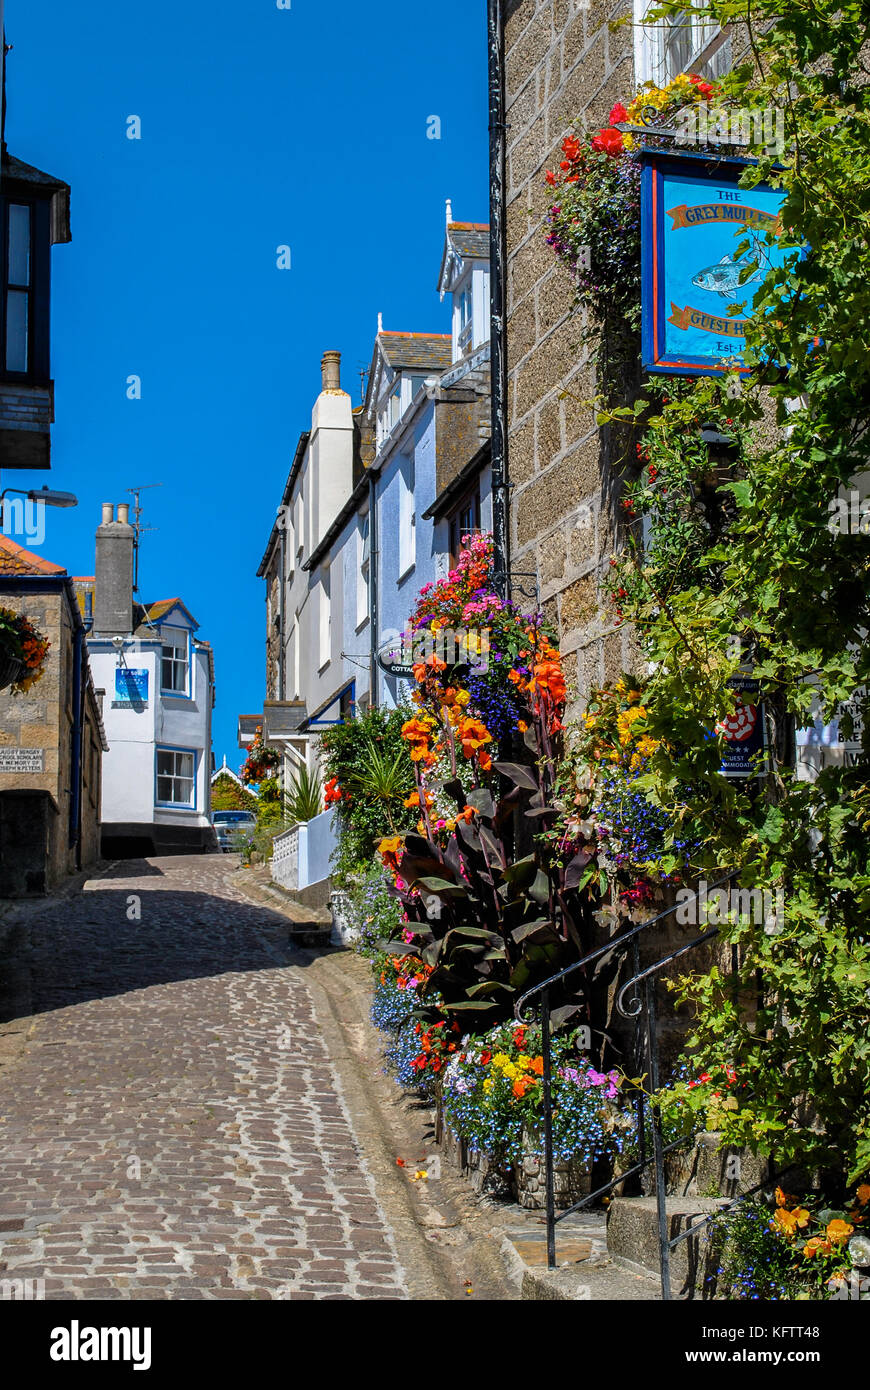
point(743, 731)
point(694, 217)
point(131, 688)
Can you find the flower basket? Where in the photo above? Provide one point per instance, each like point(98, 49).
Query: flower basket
point(23, 652)
point(11, 670)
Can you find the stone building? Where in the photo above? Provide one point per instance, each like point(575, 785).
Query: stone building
point(52, 739)
point(565, 68)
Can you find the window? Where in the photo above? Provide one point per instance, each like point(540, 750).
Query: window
point(325, 615)
point(364, 554)
point(667, 47)
point(407, 518)
point(175, 777)
point(417, 383)
point(174, 663)
point(464, 520)
point(465, 317)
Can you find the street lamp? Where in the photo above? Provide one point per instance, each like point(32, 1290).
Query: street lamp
point(47, 496)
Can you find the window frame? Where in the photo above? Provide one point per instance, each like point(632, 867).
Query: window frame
point(407, 516)
point(187, 691)
point(470, 500)
point(651, 48)
point(38, 371)
point(174, 751)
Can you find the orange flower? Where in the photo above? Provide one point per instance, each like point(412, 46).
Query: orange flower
point(817, 1245)
point(413, 800)
point(522, 726)
point(863, 1193)
point(538, 1066)
point(465, 814)
point(838, 1232)
point(522, 1084)
point(473, 735)
point(789, 1221)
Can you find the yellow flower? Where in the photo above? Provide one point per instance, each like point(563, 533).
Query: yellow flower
point(511, 1071)
point(501, 1060)
point(523, 1060)
point(463, 698)
point(487, 1085)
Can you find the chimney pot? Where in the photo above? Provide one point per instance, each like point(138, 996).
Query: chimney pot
point(124, 513)
point(330, 366)
point(108, 513)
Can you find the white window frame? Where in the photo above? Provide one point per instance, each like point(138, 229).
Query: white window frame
point(710, 49)
point(324, 614)
point(407, 517)
point(363, 570)
point(169, 642)
point(175, 776)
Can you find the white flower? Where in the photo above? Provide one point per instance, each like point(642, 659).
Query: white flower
point(859, 1250)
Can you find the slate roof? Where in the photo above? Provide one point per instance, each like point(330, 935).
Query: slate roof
point(151, 613)
point(471, 239)
point(14, 559)
point(427, 350)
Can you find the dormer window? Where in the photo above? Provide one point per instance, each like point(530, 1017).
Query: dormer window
point(24, 289)
point(465, 312)
point(175, 661)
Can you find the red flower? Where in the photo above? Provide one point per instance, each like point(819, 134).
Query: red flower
point(618, 113)
point(571, 147)
point(551, 178)
point(485, 1057)
point(608, 141)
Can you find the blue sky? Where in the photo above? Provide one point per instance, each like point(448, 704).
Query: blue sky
point(261, 127)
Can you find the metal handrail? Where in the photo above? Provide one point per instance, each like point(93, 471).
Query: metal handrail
point(612, 945)
point(645, 1005)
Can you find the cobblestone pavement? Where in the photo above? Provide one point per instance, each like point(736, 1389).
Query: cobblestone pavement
point(172, 1127)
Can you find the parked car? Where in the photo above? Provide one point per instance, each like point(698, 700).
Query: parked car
point(234, 829)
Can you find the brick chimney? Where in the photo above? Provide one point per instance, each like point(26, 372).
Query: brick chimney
point(113, 588)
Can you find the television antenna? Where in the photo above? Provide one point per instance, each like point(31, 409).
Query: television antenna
point(138, 528)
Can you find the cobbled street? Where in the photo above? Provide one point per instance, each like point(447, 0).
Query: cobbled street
point(171, 1125)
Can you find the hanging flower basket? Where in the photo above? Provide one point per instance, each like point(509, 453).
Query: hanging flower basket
point(11, 670)
point(23, 652)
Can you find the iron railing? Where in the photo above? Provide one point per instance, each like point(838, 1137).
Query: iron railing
point(642, 1008)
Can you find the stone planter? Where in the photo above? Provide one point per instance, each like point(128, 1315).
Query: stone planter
point(345, 927)
point(571, 1180)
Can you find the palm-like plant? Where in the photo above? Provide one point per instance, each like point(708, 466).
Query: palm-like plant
point(303, 800)
point(382, 777)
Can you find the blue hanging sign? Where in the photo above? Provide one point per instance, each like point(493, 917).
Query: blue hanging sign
point(131, 686)
point(694, 217)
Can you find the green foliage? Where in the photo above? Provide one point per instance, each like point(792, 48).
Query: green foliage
point(371, 791)
point(744, 573)
point(227, 795)
point(303, 799)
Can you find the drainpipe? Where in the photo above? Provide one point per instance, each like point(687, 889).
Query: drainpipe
point(76, 771)
point(498, 298)
point(282, 525)
point(374, 616)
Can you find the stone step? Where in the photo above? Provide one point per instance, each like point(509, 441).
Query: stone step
point(633, 1240)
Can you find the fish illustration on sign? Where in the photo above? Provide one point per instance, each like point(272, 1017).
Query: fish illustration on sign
point(723, 277)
